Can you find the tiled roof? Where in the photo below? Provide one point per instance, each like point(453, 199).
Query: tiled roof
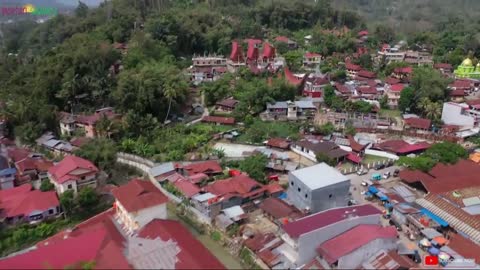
point(240, 185)
point(342, 88)
point(312, 54)
point(207, 167)
point(397, 87)
point(282, 39)
point(457, 93)
point(392, 81)
point(138, 194)
point(26, 203)
point(405, 70)
point(219, 120)
point(461, 84)
point(353, 239)
point(273, 188)
point(61, 171)
point(193, 255)
point(326, 218)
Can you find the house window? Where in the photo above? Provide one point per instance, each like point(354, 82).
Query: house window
point(83, 177)
point(69, 186)
point(50, 211)
point(291, 183)
point(330, 196)
point(306, 195)
point(299, 190)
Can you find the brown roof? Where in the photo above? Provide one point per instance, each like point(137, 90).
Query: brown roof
point(313, 265)
point(355, 145)
point(420, 123)
point(464, 247)
point(463, 174)
point(230, 103)
point(278, 208)
point(388, 260)
point(258, 241)
point(412, 176)
point(278, 143)
point(219, 120)
point(138, 195)
point(328, 148)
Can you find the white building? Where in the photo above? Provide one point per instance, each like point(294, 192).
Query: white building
point(462, 115)
point(138, 203)
point(317, 188)
point(73, 173)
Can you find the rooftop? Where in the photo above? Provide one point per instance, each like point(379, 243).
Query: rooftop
point(278, 208)
point(388, 260)
point(326, 218)
point(138, 194)
point(320, 175)
point(219, 120)
point(420, 123)
point(353, 239)
point(61, 172)
point(207, 167)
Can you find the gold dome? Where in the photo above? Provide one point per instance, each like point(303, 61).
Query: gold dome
point(467, 62)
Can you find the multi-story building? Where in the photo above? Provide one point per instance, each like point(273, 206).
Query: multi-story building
point(69, 123)
point(418, 58)
point(466, 116)
point(352, 70)
point(358, 120)
point(311, 60)
point(73, 173)
point(207, 68)
point(318, 188)
point(288, 110)
point(393, 94)
point(313, 86)
point(303, 236)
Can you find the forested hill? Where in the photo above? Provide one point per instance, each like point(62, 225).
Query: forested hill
point(412, 15)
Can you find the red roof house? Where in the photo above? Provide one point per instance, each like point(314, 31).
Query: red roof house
point(252, 51)
point(418, 123)
point(401, 147)
point(392, 81)
point(397, 87)
point(291, 78)
point(278, 143)
point(268, 52)
point(138, 195)
point(278, 209)
point(365, 74)
point(240, 186)
point(21, 204)
point(363, 33)
point(443, 66)
point(353, 67)
point(236, 55)
point(210, 167)
point(403, 70)
point(219, 120)
point(160, 244)
point(187, 188)
point(72, 172)
point(340, 247)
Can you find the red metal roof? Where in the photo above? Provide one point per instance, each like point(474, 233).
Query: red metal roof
point(355, 145)
point(236, 55)
point(351, 240)
point(278, 143)
point(457, 93)
point(219, 120)
point(252, 52)
point(354, 158)
point(464, 247)
point(282, 39)
point(273, 188)
point(312, 54)
point(138, 194)
point(442, 66)
point(17, 154)
point(229, 103)
point(461, 84)
point(25, 203)
point(363, 33)
point(187, 188)
point(39, 164)
point(277, 208)
point(412, 176)
point(403, 70)
point(206, 167)
point(367, 90)
point(353, 67)
point(291, 78)
point(342, 88)
point(258, 241)
point(197, 178)
point(392, 81)
point(420, 123)
point(402, 147)
point(397, 87)
point(268, 51)
point(61, 171)
point(463, 174)
point(240, 185)
point(326, 218)
point(366, 74)
point(193, 255)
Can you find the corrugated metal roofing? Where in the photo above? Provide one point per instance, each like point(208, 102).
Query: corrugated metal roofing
point(471, 201)
point(472, 209)
point(405, 193)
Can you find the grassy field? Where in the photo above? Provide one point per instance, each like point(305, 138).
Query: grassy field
point(390, 113)
point(260, 131)
point(370, 159)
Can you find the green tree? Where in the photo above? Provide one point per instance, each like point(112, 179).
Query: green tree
point(406, 101)
point(81, 10)
point(46, 186)
point(350, 129)
point(67, 200)
point(294, 59)
point(325, 129)
point(384, 102)
point(322, 157)
point(328, 95)
point(254, 166)
point(428, 82)
point(446, 152)
point(87, 198)
point(100, 151)
point(421, 163)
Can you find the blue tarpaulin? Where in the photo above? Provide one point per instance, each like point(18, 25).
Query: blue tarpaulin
point(382, 196)
point(283, 196)
point(372, 189)
point(433, 251)
point(434, 217)
point(388, 205)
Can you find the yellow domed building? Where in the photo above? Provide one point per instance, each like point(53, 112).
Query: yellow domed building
point(467, 70)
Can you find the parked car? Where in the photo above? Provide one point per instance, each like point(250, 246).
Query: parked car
point(352, 202)
point(379, 166)
point(376, 177)
point(396, 172)
point(386, 175)
point(362, 171)
point(364, 184)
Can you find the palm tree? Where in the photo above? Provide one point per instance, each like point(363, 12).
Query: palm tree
point(169, 93)
point(423, 104)
point(433, 110)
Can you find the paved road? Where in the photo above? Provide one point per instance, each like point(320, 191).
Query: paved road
point(356, 180)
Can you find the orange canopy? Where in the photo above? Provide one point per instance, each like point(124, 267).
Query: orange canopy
point(440, 240)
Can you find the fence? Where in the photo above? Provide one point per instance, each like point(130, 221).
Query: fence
point(354, 169)
point(145, 165)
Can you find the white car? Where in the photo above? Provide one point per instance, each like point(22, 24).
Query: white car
point(364, 184)
point(363, 192)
